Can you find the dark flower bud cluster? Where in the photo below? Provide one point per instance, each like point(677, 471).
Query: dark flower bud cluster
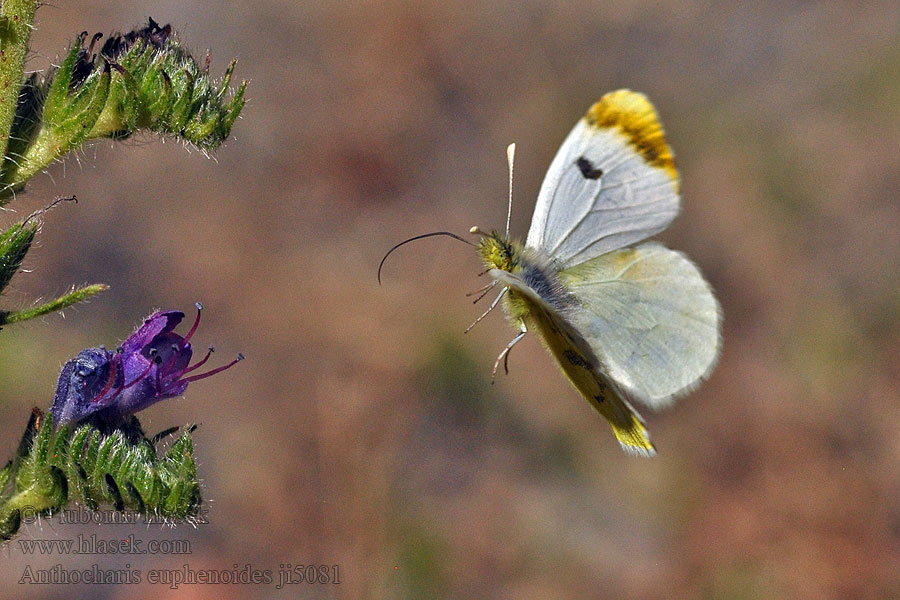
point(143, 80)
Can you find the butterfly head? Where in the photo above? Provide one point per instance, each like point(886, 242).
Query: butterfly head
point(497, 251)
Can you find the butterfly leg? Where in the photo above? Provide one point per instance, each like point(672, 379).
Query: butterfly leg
point(504, 356)
point(490, 308)
point(482, 291)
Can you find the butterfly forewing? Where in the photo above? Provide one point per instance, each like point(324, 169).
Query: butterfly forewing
point(611, 184)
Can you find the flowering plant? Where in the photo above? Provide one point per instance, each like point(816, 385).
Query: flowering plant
point(150, 365)
point(90, 446)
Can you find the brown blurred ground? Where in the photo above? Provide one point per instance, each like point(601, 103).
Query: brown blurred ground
point(363, 431)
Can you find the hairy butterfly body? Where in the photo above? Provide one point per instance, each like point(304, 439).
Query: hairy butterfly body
point(628, 321)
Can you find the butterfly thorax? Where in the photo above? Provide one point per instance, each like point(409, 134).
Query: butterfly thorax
point(533, 269)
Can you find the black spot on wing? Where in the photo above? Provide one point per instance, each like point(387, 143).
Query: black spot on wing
point(602, 395)
point(576, 359)
point(587, 168)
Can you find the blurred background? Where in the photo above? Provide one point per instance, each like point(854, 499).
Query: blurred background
point(362, 430)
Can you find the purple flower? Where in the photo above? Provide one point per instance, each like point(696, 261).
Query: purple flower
point(148, 367)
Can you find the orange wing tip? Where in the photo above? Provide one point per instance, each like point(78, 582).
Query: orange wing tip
point(632, 114)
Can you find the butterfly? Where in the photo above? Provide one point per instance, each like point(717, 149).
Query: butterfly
point(627, 320)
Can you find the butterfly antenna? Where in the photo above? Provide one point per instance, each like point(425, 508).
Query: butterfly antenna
point(510, 158)
point(419, 237)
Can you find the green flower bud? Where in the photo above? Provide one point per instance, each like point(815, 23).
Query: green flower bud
point(142, 80)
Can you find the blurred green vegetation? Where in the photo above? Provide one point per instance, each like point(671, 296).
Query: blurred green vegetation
point(368, 418)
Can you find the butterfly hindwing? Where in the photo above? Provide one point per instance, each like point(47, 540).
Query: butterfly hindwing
point(649, 316)
point(577, 361)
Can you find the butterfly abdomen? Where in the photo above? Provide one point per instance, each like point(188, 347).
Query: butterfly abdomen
point(581, 367)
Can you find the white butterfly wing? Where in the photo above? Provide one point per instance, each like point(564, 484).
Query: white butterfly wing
point(650, 318)
point(612, 183)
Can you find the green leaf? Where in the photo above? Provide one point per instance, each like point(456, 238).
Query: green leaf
point(25, 126)
point(77, 295)
point(14, 245)
point(68, 118)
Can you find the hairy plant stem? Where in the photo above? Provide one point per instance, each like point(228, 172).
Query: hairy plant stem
point(16, 19)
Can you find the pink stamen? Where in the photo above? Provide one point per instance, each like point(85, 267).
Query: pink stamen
point(109, 383)
point(194, 327)
point(196, 366)
point(239, 358)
